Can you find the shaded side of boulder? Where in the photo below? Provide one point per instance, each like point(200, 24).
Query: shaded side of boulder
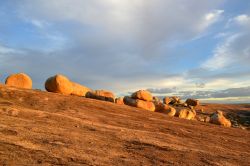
point(146, 105)
point(166, 109)
point(186, 114)
point(142, 95)
point(59, 84)
point(175, 100)
point(79, 90)
point(193, 102)
point(101, 95)
point(119, 100)
point(129, 101)
point(219, 119)
point(19, 80)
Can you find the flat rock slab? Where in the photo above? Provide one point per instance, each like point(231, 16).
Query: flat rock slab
point(51, 129)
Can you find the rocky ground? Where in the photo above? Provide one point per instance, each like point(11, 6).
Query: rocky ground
point(51, 129)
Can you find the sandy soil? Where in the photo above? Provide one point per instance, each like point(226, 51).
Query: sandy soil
point(51, 129)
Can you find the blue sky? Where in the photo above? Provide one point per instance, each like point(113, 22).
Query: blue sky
point(194, 48)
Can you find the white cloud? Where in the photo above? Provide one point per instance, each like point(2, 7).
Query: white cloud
point(146, 24)
point(210, 18)
point(223, 55)
point(234, 50)
point(243, 19)
point(112, 42)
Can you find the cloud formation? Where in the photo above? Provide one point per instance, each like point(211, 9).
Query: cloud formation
point(235, 49)
point(126, 45)
point(100, 42)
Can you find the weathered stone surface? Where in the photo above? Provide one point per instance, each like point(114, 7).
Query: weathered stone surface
point(119, 100)
point(19, 80)
point(79, 90)
point(101, 95)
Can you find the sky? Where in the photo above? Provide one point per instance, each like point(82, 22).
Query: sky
point(189, 48)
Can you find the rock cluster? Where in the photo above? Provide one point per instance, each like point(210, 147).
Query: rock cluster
point(146, 105)
point(171, 106)
point(141, 99)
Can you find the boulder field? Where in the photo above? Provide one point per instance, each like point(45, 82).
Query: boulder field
point(143, 99)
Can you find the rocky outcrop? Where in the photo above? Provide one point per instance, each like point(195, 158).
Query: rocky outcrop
point(101, 95)
point(219, 119)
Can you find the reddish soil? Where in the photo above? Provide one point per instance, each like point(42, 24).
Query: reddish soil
point(51, 129)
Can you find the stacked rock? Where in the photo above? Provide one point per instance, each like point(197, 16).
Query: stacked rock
point(141, 99)
point(184, 110)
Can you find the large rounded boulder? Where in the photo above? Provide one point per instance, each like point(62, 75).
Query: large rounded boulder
point(142, 95)
point(59, 84)
point(19, 80)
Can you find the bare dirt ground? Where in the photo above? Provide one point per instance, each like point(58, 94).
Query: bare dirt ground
point(51, 129)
